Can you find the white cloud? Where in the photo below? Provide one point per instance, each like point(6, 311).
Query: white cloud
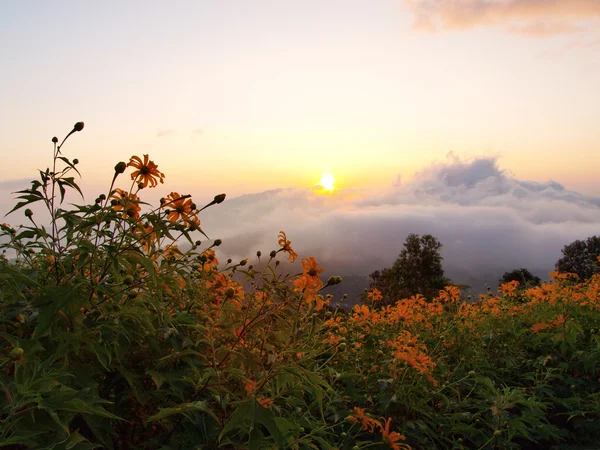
point(488, 221)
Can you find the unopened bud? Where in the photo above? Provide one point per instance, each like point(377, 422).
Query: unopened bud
point(258, 253)
point(198, 243)
point(55, 139)
point(28, 213)
point(217, 242)
point(16, 354)
point(75, 161)
point(78, 126)
point(334, 280)
point(230, 292)
point(219, 198)
point(273, 254)
point(120, 167)
point(243, 262)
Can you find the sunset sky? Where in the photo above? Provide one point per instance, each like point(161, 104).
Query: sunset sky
point(420, 109)
point(248, 95)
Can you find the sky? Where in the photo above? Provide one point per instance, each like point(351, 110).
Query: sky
point(407, 103)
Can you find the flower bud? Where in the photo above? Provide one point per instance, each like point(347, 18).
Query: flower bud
point(334, 280)
point(243, 262)
point(198, 243)
point(16, 354)
point(55, 139)
point(258, 253)
point(230, 292)
point(120, 167)
point(273, 254)
point(78, 126)
point(28, 213)
point(75, 161)
point(193, 206)
point(219, 198)
point(229, 261)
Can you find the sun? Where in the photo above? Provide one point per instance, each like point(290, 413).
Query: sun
point(328, 182)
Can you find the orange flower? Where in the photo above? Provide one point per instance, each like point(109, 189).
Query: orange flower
point(264, 402)
point(540, 326)
point(393, 438)
point(309, 286)
point(311, 267)
point(146, 173)
point(509, 288)
point(171, 251)
point(286, 246)
point(181, 208)
point(374, 295)
point(128, 204)
point(450, 294)
point(211, 260)
point(250, 386)
point(145, 234)
point(367, 422)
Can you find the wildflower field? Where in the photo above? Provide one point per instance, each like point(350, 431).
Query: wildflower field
point(114, 337)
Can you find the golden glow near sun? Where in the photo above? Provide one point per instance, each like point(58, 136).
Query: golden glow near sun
point(327, 181)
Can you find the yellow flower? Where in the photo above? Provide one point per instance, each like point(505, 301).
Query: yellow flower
point(146, 173)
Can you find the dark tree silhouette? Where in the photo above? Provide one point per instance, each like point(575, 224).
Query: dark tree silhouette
point(580, 257)
point(525, 278)
point(418, 270)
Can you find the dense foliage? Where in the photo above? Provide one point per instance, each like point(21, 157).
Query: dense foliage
point(581, 258)
point(113, 337)
point(523, 276)
point(417, 270)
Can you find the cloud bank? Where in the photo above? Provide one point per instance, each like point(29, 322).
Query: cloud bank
point(529, 17)
point(488, 221)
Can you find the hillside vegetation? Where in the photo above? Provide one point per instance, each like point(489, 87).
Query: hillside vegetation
point(111, 337)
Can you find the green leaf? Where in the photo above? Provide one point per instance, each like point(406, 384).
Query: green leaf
point(182, 408)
